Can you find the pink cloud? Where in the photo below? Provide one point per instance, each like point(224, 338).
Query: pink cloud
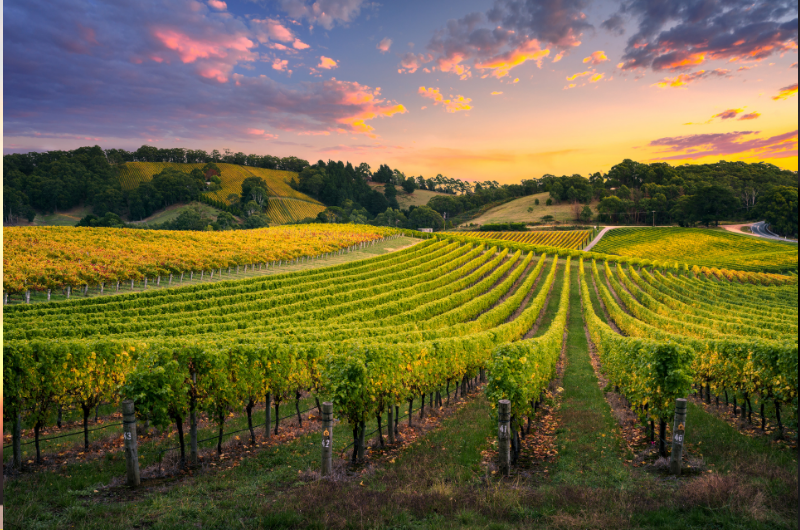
point(261, 133)
point(300, 45)
point(215, 56)
point(218, 5)
point(725, 144)
point(327, 63)
point(411, 62)
point(596, 58)
point(281, 65)
point(271, 29)
point(455, 104)
point(384, 45)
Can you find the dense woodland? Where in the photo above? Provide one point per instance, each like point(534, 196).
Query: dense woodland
point(630, 193)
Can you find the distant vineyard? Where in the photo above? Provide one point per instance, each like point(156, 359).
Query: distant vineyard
point(43, 258)
point(282, 211)
point(575, 239)
point(700, 247)
point(134, 173)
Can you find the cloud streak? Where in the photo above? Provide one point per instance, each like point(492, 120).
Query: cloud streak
point(786, 92)
point(743, 143)
point(682, 80)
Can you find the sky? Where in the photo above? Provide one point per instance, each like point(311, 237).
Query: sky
point(499, 90)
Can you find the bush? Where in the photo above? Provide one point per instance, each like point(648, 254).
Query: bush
point(503, 227)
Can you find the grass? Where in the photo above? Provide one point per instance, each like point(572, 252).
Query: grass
point(710, 248)
point(379, 248)
point(517, 211)
point(418, 198)
point(590, 446)
point(65, 218)
point(170, 213)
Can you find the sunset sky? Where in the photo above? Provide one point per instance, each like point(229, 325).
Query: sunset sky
point(480, 90)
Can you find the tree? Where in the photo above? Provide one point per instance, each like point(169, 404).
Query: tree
point(712, 203)
point(409, 185)
point(778, 207)
point(536, 202)
point(425, 217)
point(549, 202)
point(586, 214)
point(383, 175)
point(547, 218)
point(391, 195)
point(254, 189)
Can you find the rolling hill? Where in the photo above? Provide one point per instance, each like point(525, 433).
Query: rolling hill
point(285, 204)
point(517, 211)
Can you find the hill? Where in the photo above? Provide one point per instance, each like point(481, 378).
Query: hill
point(700, 246)
point(418, 198)
point(285, 204)
point(517, 211)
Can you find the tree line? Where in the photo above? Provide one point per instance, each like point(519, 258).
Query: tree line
point(630, 193)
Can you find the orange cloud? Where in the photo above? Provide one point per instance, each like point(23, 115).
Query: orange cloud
point(300, 45)
point(727, 114)
point(750, 116)
point(596, 77)
point(496, 93)
point(528, 51)
point(786, 92)
point(327, 63)
point(456, 104)
point(596, 58)
point(684, 79)
point(573, 77)
point(366, 104)
point(411, 62)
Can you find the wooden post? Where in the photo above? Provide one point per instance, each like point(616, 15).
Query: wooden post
point(48, 295)
point(17, 437)
point(193, 422)
point(27, 296)
point(504, 435)
point(678, 430)
point(69, 290)
point(131, 449)
point(268, 409)
point(391, 423)
point(145, 283)
point(327, 438)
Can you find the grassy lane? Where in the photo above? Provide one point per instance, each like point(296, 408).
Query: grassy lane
point(590, 445)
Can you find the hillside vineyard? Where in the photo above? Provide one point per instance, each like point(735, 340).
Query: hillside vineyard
point(372, 333)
